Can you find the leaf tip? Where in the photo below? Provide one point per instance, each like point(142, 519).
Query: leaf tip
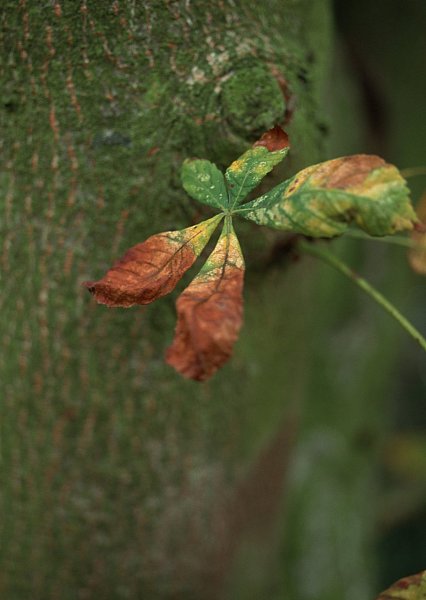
point(419, 227)
point(106, 294)
point(88, 284)
point(273, 140)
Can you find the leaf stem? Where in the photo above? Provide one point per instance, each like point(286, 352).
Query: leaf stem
point(228, 224)
point(413, 172)
point(335, 262)
point(396, 240)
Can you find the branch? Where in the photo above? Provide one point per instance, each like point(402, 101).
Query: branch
point(335, 262)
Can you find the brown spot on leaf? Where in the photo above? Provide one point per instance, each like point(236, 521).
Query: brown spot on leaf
point(274, 139)
point(350, 170)
point(210, 313)
point(412, 587)
point(152, 269)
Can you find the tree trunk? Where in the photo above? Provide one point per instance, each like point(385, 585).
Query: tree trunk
point(121, 479)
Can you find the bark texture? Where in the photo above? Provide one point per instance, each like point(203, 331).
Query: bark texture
point(121, 479)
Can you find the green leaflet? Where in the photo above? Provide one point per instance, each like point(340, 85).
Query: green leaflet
point(324, 200)
point(204, 182)
point(245, 173)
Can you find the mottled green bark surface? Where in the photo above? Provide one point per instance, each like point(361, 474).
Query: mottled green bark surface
point(120, 479)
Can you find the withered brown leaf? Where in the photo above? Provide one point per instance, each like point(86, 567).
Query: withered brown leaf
point(210, 312)
point(274, 139)
point(152, 269)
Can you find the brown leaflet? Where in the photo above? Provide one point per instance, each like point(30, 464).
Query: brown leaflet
point(417, 256)
point(274, 139)
point(210, 312)
point(152, 269)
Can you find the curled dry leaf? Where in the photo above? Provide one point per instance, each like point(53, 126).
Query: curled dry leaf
point(417, 256)
point(408, 588)
point(210, 312)
point(152, 269)
point(245, 173)
point(273, 140)
point(326, 199)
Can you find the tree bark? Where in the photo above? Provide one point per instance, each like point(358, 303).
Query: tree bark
point(121, 479)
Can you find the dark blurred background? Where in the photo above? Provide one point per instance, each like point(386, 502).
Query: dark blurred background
point(384, 47)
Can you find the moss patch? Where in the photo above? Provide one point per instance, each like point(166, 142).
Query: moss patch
point(252, 101)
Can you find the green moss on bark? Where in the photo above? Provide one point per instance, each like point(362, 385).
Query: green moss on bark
point(252, 100)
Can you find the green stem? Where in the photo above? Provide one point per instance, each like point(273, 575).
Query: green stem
point(228, 224)
point(396, 240)
point(335, 262)
point(413, 171)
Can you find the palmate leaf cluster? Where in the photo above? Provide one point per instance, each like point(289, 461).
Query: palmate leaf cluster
point(360, 192)
point(323, 200)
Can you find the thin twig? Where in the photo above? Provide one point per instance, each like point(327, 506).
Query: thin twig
point(396, 240)
point(335, 262)
point(413, 172)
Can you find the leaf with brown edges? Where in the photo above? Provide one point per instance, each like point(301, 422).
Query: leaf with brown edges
point(210, 312)
point(152, 269)
point(274, 140)
point(327, 199)
point(245, 173)
point(417, 256)
point(408, 588)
